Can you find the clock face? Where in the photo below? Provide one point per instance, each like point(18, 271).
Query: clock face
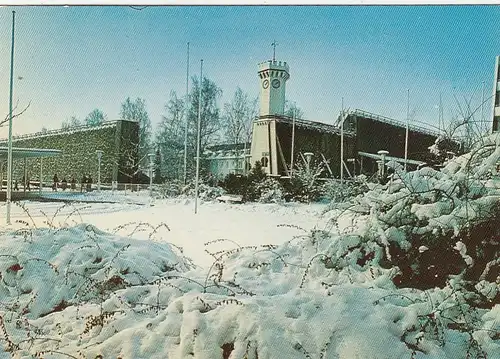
point(265, 84)
point(276, 83)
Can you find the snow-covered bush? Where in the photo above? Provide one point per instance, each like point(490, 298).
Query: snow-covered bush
point(169, 189)
point(208, 192)
point(270, 191)
point(255, 187)
point(335, 192)
point(205, 191)
point(432, 224)
point(305, 186)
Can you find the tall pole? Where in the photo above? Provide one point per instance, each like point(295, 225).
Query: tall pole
point(9, 151)
point(482, 111)
point(293, 141)
point(342, 143)
point(99, 175)
point(441, 120)
point(198, 143)
point(186, 116)
point(40, 186)
point(151, 155)
point(99, 155)
point(407, 128)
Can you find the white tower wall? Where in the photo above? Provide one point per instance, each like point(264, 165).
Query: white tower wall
point(273, 76)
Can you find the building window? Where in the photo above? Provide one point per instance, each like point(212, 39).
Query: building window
point(264, 161)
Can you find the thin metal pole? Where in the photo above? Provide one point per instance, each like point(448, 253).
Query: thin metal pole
point(407, 129)
point(441, 120)
point(186, 110)
point(342, 144)
point(41, 174)
point(99, 174)
point(25, 174)
point(482, 111)
point(9, 151)
point(198, 143)
point(151, 175)
point(293, 142)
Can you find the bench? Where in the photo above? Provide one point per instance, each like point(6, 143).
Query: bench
point(230, 198)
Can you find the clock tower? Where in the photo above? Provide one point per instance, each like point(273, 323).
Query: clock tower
point(273, 76)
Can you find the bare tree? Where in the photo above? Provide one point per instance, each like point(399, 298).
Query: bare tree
point(210, 115)
point(170, 137)
point(135, 110)
point(71, 122)
point(129, 161)
point(95, 118)
point(14, 114)
point(463, 131)
point(292, 109)
point(238, 117)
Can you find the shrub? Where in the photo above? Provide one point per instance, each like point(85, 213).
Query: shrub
point(334, 191)
point(269, 191)
point(304, 185)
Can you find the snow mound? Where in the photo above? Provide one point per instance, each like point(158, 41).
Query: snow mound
point(53, 268)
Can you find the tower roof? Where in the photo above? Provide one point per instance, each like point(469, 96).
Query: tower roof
point(274, 65)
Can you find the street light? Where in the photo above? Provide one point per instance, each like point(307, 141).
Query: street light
point(308, 156)
point(151, 159)
point(382, 154)
point(8, 196)
point(99, 155)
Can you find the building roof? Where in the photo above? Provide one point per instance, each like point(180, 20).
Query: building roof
point(65, 131)
point(18, 152)
point(312, 125)
point(391, 121)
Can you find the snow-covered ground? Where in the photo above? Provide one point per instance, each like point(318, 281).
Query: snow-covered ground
point(246, 224)
point(141, 279)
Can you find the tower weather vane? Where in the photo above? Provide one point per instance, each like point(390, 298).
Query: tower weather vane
point(274, 49)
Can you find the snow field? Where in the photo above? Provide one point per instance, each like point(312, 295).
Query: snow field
point(156, 281)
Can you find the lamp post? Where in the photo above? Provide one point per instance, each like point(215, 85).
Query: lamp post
point(151, 159)
point(382, 154)
point(196, 185)
point(99, 155)
point(9, 151)
point(342, 143)
point(308, 156)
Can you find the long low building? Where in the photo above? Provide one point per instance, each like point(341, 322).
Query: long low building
point(78, 146)
point(280, 142)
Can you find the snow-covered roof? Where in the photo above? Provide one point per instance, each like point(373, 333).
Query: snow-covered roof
point(380, 118)
point(312, 125)
point(18, 152)
point(66, 131)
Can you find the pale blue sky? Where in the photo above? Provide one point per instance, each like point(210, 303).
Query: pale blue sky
point(75, 59)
